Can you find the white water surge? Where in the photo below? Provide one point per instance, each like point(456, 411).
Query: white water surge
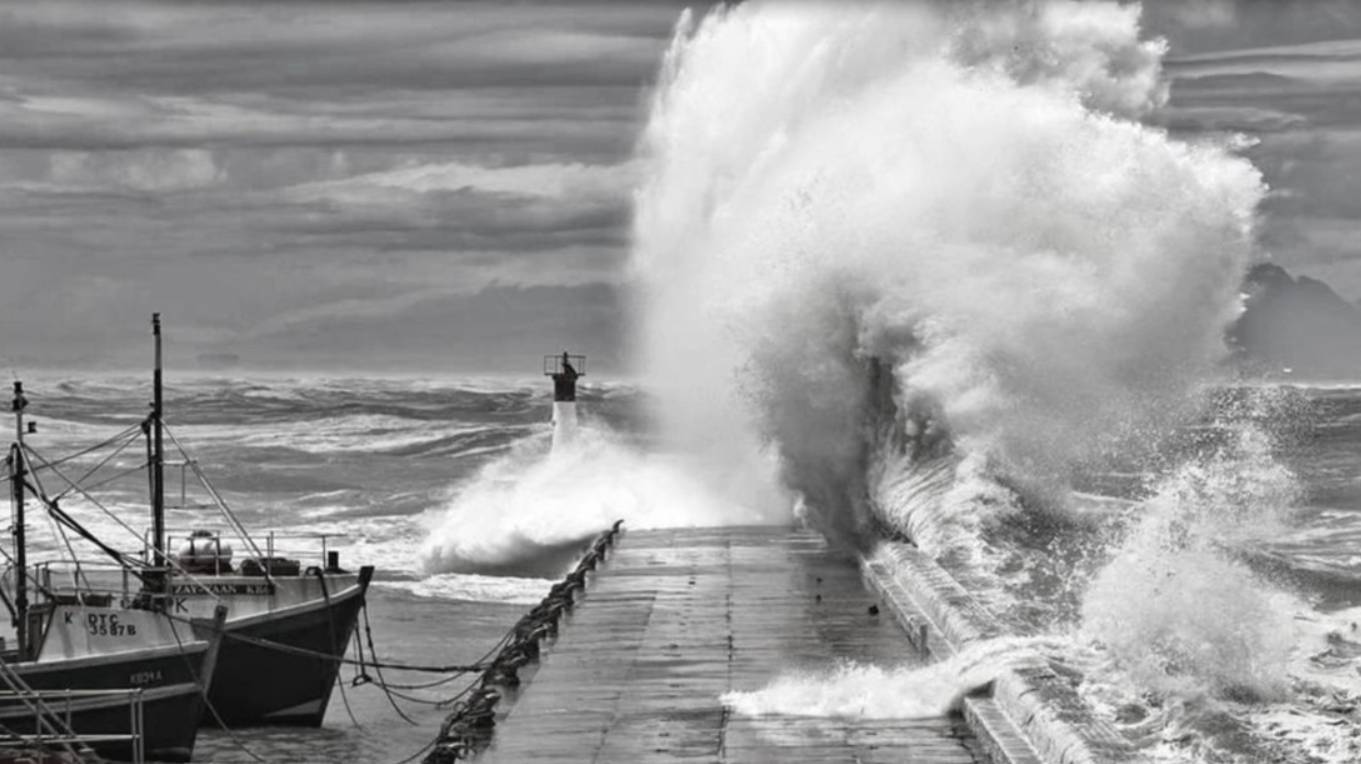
point(870, 692)
point(528, 512)
point(929, 256)
point(960, 190)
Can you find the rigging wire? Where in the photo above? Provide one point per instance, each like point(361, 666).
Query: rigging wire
point(125, 433)
point(204, 692)
point(84, 491)
point(100, 464)
point(54, 510)
point(221, 503)
point(127, 561)
point(516, 636)
point(37, 487)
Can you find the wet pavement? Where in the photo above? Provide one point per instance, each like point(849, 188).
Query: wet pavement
point(675, 619)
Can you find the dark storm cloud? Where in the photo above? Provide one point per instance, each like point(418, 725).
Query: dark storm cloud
point(257, 169)
point(282, 179)
point(1287, 75)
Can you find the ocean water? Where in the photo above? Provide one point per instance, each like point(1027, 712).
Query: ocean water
point(390, 472)
point(937, 266)
point(1241, 645)
point(912, 270)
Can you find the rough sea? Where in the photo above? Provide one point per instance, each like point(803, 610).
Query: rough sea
point(1222, 630)
point(929, 271)
point(376, 466)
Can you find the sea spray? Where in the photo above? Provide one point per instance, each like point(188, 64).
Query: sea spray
point(859, 691)
point(928, 256)
point(527, 512)
point(960, 191)
point(1174, 607)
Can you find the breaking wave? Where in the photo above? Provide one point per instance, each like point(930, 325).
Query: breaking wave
point(929, 257)
point(960, 194)
point(856, 691)
point(529, 512)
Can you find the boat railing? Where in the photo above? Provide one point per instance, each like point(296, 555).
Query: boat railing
point(100, 583)
point(96, 583)
point(316, 546)
point(86, 582)
point(309, 549)
point(59, 704)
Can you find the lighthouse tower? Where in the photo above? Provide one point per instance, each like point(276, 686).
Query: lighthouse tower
point(564, 369)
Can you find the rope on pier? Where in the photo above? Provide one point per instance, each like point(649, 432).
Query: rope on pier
point(361, 662)
point(472, 716)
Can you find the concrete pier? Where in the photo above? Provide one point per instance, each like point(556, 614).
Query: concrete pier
point(676, 618)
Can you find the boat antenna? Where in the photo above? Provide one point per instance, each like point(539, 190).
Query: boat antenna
point(16, 475)
point(158, 453)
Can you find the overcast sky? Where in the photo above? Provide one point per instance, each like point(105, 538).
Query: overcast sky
point(398, 185)
point(317, 184)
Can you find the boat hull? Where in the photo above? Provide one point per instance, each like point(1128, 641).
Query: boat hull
point(172, 701)
point(262, 680)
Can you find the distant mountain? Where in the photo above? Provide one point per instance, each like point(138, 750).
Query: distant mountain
point(1295, 327)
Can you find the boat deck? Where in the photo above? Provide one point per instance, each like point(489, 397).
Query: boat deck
point(676, 618)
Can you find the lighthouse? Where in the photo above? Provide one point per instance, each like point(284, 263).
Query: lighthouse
point(564, 369)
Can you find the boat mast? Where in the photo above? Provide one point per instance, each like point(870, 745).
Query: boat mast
point(158, 454)
point(16, 477)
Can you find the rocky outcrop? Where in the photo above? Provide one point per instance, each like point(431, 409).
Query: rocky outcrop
point(1295, 328)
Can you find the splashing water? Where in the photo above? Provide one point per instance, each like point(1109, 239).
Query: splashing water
point(858, 691)
point(927, 256)
point(529, 512)
point(1185, 617)
point(959, 191)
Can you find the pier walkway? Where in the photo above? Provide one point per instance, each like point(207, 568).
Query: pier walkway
point(676, 618)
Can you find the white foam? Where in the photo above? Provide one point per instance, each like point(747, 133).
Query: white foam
point(476, 588)
point(1173, 607)
point(528, 502)
point(857, 691)
point(959, 191)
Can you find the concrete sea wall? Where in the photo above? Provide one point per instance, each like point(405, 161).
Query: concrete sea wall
point(1030, 712)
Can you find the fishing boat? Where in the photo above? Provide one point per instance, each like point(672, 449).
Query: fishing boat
point(83, 668)
point(287, 627)
point(290, 617)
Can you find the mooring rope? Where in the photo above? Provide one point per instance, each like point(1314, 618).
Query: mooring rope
point(368, 632)
point(468, 728)
point(203, 693)
point(456, 668)
point(331, 634)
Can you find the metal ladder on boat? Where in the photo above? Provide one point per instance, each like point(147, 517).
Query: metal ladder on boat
point(52, 720)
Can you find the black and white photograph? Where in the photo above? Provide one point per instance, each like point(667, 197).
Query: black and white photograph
point(750, 382)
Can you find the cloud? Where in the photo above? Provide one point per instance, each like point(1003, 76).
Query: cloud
point(253, 170)
point(1205, 14)
point(498, 328)
point(144, 171)
point(557, 180)
point(264, 173)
